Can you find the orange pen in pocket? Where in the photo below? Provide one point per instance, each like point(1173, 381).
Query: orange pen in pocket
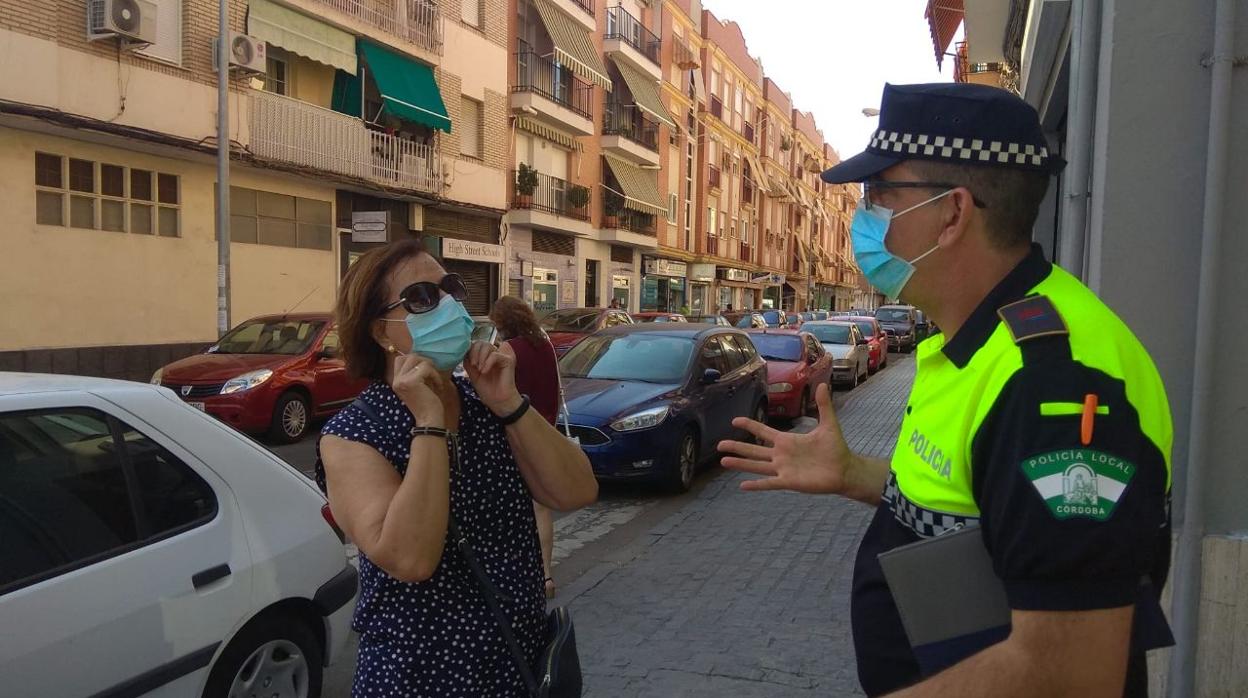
point(1089, 415)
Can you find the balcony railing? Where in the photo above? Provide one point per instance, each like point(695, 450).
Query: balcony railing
point(747, 130)
point(712, 176)
point(418, 21)
point(551, 196)
point(630, 122)
point(587, 5)
point(747, 192)
point(299, 133)
point(684, 57)
point(630, 220)
point(554, 82)
point(622, 25)
point(745, 252)
point(712, 245)
point(717, 107)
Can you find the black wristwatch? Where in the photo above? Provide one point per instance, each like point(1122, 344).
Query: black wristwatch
point(515, 416)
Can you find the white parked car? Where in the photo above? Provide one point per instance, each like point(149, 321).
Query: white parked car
point(850, 352)
point(147, 549)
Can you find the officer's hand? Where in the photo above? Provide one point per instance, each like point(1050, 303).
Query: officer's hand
point(815, 463)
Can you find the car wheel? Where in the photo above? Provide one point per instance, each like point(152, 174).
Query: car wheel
point(808, 404)
point(290, 418)
point(853, 380)
point(275, 656)
point(760, 416)
point(686, 462)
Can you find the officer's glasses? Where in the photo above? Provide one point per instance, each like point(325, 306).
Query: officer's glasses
point(880, 185)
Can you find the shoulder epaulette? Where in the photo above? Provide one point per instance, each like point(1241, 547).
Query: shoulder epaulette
point(1032, 317)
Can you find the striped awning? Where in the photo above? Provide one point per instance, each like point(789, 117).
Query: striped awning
point(573, 46)
point(645, 91)
point(641, 187)
point(801, 252)
point(301, 34)
point(551, 134)
point(761, 180)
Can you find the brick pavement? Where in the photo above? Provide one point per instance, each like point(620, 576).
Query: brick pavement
point(738, 594)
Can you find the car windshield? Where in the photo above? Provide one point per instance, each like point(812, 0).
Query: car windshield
point(482, 330)
point(821, 315)
point(290, 337)
point(571, 321)
point(892, 314)
point(631, 357)
point(778, 347)
point(829, 334)
point(866, 328)
point(772, 317)
point(792, 318)
point(703, 318)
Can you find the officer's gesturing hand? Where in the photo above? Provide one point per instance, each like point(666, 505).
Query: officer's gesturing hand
point(819, 462)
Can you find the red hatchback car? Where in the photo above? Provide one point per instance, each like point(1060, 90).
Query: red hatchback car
point(797, 364)
point(568, 326)
point(270, 374)
point(877, 341)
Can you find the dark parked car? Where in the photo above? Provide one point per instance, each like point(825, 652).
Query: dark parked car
point(568, 326)
point(659, 317)
point(746, 319)
point(782, 319)
point(797, 364)
point(650, 402)
point(901, 324)
point(273, 373)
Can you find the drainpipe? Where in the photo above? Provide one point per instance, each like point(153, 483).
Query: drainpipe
point(1187, 573)
point(1085, 32)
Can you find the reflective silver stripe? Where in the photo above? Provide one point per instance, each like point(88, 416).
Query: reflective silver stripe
point(926, 523)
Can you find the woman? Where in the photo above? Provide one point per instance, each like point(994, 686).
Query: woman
point(537, 375)
point(431, 446)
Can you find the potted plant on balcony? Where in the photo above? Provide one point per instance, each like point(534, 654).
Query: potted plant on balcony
point(612, 204)
point(785, 143)
point(578, 197)
point(526, 184)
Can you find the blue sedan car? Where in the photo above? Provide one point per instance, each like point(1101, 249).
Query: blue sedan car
point(650, 402)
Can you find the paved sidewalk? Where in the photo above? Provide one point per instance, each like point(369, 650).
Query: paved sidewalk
point(738, 594)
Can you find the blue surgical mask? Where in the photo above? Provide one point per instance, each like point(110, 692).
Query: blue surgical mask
point(442, 335)
point(885, 270)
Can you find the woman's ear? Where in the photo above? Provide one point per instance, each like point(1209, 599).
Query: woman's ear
point(378, 332)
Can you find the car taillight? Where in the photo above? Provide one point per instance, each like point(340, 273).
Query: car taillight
point(328, 515)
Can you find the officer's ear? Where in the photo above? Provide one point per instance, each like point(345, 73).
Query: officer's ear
point(958, 214)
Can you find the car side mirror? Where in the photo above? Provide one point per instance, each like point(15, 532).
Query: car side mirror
point(710, 376)
point(811, 359)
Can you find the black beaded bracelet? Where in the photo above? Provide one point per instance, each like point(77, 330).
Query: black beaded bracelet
point(429, 431)
point(515, 416)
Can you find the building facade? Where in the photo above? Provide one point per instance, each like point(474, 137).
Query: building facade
point(342, 108)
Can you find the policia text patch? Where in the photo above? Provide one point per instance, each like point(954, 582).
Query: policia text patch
point(1079, 482)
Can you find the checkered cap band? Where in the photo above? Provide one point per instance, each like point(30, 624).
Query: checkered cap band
point(926, 523)
point(969, 150)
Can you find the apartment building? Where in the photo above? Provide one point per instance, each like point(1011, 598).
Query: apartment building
point(107, 149)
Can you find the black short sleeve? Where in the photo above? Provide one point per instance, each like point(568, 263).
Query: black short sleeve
point(1069, 526)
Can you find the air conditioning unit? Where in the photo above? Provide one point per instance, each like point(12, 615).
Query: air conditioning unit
point(247, 54)
point(131, 20)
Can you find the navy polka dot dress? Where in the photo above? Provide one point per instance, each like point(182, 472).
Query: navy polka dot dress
point(437, 638)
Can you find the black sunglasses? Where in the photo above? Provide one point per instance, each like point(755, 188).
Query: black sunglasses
point(882, 184)
point(423, 296)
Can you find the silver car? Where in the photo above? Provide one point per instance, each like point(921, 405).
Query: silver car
point(850, 354)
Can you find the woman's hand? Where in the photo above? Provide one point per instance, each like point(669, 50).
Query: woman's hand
point(419, 385)
point(492, 371)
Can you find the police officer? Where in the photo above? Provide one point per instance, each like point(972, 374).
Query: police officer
point(1035, 414)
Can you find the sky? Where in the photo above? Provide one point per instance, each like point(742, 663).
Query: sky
point(836, 59)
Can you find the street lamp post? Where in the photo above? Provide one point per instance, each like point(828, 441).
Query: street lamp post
point(223, 171)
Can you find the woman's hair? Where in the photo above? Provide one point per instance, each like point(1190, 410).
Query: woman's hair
point(361, 300)
point(514, 318)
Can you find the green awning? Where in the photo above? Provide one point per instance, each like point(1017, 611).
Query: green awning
point(645, 91)
point(301, 34)
point(573, 46)
point(346, 95)
point(641, 190)
point(407, 87)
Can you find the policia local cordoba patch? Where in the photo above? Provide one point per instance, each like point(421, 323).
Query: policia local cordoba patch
point(1079, 482)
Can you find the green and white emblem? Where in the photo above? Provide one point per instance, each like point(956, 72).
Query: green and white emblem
point(1079, 482)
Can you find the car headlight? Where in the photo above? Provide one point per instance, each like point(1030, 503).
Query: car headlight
point(641, 420)
point(780, 388)
point(840, 363)
point(160, 373)
point(247, 381)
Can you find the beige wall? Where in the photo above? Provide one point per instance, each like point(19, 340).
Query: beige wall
point(313, 82)
point(67, 287)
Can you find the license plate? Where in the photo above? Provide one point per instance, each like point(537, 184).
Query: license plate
point(197, 405)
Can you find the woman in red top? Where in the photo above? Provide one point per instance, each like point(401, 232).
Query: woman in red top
point(537, 376)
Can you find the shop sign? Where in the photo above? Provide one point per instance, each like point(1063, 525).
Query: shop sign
point(620, 282)
point(771, 279)
point(702, 272)
point(736, 274)
point(369, 226)
point(473, 251)
point(665, 267)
